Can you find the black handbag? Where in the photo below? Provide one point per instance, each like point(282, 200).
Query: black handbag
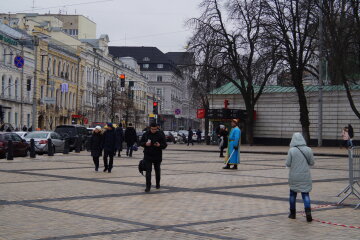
point(142, 167)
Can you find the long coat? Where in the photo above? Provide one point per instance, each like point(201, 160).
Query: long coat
point(96, 144)
point(130, 136)
point(152, 153)
point(109, 140)
point(234, 142)
point(119, 138)
point(299, 174)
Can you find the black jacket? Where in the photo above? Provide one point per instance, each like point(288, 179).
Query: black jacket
point(130, 135)
point(96, 144)
point(223, 133)
point(109, 140)
point(119, 138)
point(152, 153)
point(191, 133)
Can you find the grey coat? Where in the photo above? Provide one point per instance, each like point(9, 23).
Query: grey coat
point(299, 174)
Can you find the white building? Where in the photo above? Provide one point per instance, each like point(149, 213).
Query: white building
point(15, 99)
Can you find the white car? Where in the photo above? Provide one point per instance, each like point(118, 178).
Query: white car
point(22, 134)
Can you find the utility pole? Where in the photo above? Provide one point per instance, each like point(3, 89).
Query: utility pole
point(321, 74)
point(34, 112)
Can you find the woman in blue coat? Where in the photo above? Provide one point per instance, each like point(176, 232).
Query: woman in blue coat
point(233, 151)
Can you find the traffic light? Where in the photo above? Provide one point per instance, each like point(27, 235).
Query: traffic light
point(122, 80)
point(28, 85)
point(155, 107)
point(226, 103)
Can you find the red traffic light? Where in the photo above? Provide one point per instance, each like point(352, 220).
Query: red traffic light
point(155, 104)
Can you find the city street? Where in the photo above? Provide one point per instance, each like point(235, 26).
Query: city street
point(62, 197)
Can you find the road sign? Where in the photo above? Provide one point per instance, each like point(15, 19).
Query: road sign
point(48, 100)
point(177, 111)
point(19, 61)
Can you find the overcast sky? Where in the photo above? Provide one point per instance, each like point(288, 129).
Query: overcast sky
point(159, 23)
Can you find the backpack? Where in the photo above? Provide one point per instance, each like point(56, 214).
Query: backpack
point(142, 167)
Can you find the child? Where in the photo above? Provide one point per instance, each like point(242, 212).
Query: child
point(299, 158)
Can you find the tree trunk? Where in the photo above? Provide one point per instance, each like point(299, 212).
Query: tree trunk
point(249, 128)
point(304, 112)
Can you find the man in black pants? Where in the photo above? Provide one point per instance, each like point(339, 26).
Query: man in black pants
point(109, 147)
point(153, 142)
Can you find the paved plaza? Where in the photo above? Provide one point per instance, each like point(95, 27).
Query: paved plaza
point(62, 197)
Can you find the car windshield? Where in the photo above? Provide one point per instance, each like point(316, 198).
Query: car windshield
point(70, 131)
point(37, 135)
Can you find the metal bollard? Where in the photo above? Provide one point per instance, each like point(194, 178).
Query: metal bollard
point(50, 148)
point(78, 144)
point(66, 146)
point(32, 148)
point(10, 151)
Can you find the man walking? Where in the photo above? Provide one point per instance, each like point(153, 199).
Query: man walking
point(190, 136)
point(119, 139)
point(130, 139)
point(109, 147)
point(153, 142)
point(233, 151)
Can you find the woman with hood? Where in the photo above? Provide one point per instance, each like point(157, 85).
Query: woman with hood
point(299, 159)
point(96, 146)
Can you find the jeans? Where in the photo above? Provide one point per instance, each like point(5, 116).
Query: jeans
point(96, 162)
point(305, 197)
point(129, 149)
point(148, 165)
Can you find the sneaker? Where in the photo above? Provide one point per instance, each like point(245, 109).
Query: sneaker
point(147, 190)
point(96, 169)
point(157, 186)
point(105, 169)
point(109, 170)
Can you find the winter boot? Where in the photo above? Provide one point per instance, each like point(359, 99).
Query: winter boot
point(227, 166)
point(235, 167)
point(292, 214)
point(308, 214)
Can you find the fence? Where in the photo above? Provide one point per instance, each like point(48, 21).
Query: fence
point(354, 175)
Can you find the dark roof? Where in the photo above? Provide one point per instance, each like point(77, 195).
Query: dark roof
point(181, 58)
point(140, 53)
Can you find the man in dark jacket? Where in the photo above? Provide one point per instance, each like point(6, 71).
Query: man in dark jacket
point(130, 139)
point(109, 147)
point(153, 142)
point(96, 145)
point(119, 139)
point(190, 136)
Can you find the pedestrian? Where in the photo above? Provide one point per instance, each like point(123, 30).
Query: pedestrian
point(190, 136)
point(96, 146)
point(30, 129)
point(347, 141)
point(153, 142)
point(109, 147)
point(130, 139)
point(233, 150)
point(24, 128)
point(198, 134)
point(119, 139)
point(223, 135)
point(299, 159)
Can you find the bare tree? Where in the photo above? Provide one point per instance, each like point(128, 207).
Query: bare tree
point(293, 23)
point(342, 42)
point(242, 56)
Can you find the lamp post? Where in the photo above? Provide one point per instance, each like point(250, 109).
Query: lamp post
point(321, 74)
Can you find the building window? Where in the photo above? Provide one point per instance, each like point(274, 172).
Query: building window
point(54, 67)
point(16, 89)
point(42, 62)
point(16, 119)
point(28, 120)
point(3, 85)
point(10, 87)
point(159, 79)
point(42, 92)
point(9, 117)
point(146, 66)
point(160, 66)
point(159, 92)
point(146, 59)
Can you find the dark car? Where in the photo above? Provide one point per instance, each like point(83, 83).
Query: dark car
point(20, 146)
point(71, 132)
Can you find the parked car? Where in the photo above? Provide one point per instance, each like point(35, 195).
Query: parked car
point(72, 132)
point(41, 141)
point(22, 134)
point(20, 146)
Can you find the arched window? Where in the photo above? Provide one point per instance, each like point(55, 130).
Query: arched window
point(66, 100)
point(70, 100)
point(72, 74)
point(58, 98)
point(49, 66)
point(3, 85)
point(74, 101)
point(76, 70)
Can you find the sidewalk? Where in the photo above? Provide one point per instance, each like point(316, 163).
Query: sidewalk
point(318, 151)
